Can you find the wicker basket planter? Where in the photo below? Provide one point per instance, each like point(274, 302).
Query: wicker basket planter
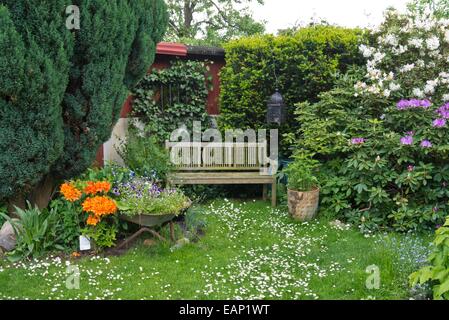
point(303, 206)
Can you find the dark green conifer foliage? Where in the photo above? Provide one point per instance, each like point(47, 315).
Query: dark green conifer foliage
point(61, 91)
point(34, 64)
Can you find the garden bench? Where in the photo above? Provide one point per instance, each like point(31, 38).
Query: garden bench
point(204, 163)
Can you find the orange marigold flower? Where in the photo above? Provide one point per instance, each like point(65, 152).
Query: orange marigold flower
point(97, 187)
point(70, 193)
point(100, 206)
point(93, 220)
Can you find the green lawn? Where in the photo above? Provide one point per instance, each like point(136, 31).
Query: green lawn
point(249, 252)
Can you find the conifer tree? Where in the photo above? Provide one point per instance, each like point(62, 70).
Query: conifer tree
point(61, 90)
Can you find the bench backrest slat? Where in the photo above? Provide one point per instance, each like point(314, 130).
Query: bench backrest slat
point(191, 156)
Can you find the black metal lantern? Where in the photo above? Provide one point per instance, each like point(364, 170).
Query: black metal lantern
point(276, 112)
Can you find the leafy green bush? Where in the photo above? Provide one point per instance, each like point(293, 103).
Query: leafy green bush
point(145, 156)
point(104, 234)
point(68, 229)
point(438, 272)
point(301, 175)
point(169, 98)
point(381, 133)
point(36, 231)
point(408, 58)
point(370, 175)
point(305, 64)
point(194, 225)
point(111, 172)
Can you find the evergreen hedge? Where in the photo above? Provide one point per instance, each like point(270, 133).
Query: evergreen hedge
point(61, 90)
point(305, 63)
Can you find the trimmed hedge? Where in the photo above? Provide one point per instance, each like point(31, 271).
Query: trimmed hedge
point(305, 63)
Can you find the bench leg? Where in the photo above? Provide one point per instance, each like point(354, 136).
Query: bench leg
point(274, 194)
point(265, 192)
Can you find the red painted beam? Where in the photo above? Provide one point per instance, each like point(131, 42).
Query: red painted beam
point(172, 49)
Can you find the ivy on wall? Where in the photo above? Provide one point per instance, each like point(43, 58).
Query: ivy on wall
point(170, 98)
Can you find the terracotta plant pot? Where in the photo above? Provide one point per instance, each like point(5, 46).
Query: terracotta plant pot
point(303, 206)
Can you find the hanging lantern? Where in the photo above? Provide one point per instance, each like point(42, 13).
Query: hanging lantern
point(276, 112)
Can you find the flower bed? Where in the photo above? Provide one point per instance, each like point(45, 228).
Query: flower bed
point(91, 201)
point(98, 200)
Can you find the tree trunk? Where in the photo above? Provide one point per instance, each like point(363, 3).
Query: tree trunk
point(188, 19)
point(18, 201)
point(42, 194)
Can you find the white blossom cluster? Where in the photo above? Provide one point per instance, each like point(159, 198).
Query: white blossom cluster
point(408, 60)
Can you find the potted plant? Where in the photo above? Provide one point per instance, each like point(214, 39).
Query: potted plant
point(303, 189)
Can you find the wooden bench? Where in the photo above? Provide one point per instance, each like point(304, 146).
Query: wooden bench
point(203, 163)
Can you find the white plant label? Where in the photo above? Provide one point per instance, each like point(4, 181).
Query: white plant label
point(85, 243)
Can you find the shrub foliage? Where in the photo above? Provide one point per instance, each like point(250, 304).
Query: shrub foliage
point(61, 91)
point(437, 273)
point(381, 133)
point(305, 64)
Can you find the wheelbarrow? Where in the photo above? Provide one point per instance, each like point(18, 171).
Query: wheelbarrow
point(148, 222)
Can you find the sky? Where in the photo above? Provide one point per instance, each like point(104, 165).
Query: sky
point(282, 14)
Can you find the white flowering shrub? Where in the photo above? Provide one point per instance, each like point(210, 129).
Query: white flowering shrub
point(381, 135)
point(409, 58)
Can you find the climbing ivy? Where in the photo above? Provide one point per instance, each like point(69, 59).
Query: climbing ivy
point(170, 98)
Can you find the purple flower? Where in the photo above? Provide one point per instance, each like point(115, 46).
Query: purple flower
point(426, 104)
point(357, 141)
point(410, 168)
point(407, 140)
point(443, 111)
point(413, 103)
point(403, 104)
point(426, 144)
point(439, 123)
point(410, 133)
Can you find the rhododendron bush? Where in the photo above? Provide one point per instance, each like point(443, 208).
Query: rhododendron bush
point(409, 58)
point(381, 135)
